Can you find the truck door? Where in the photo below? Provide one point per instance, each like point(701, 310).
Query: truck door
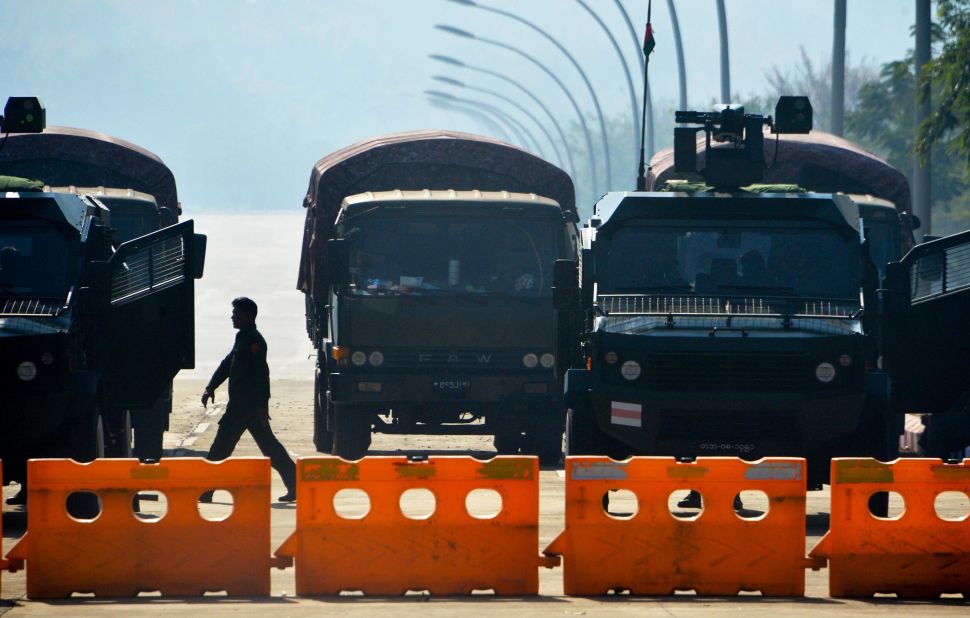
point(148, 332)
point(927, 331)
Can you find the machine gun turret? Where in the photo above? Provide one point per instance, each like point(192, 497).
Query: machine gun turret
point(740, 161)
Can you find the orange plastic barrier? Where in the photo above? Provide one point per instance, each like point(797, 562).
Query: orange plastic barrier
point(4, 564)
point(917, 555)
point(448, 552)
point(657, 553)
point(119, 554)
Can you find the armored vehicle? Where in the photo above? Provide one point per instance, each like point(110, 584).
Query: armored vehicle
point(717, 320)
point(427, 268)
point(824, 163)
point(133, 183)
point(86, 331)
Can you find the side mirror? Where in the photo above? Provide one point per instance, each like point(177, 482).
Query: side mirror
point(167, 217)
point(338, 261)
point(198, 254)
point(565, 283)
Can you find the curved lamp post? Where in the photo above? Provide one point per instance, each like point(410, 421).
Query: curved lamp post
point(626, 72)
point(579, 112)
point(579, 69)
point(524, 137)
point(555, 123)
point(678, 44)
point(725, 63)
point(487, 121)
point(460, 84)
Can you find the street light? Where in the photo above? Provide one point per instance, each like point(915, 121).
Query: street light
point(579, 69)
point(460, 84)
point(555, 123)
point(582, 120)
point(626, 72)
point(725, 63)
point(487, 121)
point(524, 137)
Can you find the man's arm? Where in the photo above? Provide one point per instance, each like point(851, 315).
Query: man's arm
point(220, 375)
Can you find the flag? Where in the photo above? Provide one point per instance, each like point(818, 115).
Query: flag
point(648, 42)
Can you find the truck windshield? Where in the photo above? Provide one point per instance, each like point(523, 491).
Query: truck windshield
point(739, 259)
point(420, 253)
point(34, 261)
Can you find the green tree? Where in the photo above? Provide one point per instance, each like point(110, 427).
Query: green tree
point(949, 74)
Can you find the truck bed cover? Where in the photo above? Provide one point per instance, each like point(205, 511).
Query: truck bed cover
point(416, 160)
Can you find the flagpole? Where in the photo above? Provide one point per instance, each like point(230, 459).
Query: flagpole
point(648, 45)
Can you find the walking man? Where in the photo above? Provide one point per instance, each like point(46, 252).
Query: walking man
point(248, 407)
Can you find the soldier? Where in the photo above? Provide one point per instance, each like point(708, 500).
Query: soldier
point(248, 406)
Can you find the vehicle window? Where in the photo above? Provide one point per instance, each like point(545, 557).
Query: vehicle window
point(34, 261)
point(452, 254)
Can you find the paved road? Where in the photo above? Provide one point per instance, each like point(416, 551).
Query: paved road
point(291, 409)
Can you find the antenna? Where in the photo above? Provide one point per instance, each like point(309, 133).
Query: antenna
point(648, 45)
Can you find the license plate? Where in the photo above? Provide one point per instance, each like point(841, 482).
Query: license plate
point(452, 386)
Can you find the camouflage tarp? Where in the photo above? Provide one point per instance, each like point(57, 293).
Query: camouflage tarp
point(62, 156)
point(820, 162)
point(416, 160)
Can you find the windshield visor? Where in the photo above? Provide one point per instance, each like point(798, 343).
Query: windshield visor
point(34, 261)
point(742, 259)
point(448, 254)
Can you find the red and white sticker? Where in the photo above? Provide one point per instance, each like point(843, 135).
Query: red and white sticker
point(629, 414)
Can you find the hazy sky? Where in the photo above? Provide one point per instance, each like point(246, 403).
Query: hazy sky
point(240, 98)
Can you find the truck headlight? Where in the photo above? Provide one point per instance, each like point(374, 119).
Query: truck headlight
point(358, 358)
point(26, 371)
point(547, 360)
point(825, 372)
point(376, 358)
point(530, 360)
point(630, 370)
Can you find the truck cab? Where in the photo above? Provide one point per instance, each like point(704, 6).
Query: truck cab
point(86, 329)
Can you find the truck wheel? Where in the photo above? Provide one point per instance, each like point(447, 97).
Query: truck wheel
point(582, 435)
point(351, 432)
point(548, 444)
point(507, 441)
point(322, 434)
point(120, 444)
point(86, 440)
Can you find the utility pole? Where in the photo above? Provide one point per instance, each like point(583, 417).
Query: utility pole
point(725, 62)
point(838, 70)
point(921, 166)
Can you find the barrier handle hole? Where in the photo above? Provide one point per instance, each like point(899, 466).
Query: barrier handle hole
point(483, 503)
point(149, 505)
point(84, 506)
point(751, 504)
point(952, 506)
point(685, 504)
point(216, 504)
point(350, 503)
point(886, 505)
point(417, 503)
point(620, 504)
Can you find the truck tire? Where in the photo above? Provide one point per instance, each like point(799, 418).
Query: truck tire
point(507, 441)
point(544, 437)
point(322, 434)
point(351, 432)
point(122, 436)
point(583, 437)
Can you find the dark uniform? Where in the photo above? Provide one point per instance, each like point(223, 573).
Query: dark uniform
point(248, 407)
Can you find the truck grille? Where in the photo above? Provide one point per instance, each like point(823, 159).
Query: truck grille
point(20, 307)
point(639, 304)
point(459, 359)
point(723, 372)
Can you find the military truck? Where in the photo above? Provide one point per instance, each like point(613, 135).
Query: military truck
point(824, 163)
point(427, 268)
point(86, 330)
point(720, 320)
point(138, 189)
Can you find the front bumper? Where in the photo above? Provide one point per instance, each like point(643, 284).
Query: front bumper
point(748, 425)
point(442, 388)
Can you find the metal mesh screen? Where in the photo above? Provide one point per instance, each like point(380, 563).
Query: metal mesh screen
point(938, 273)
point(638, 304)
point(154, 267)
